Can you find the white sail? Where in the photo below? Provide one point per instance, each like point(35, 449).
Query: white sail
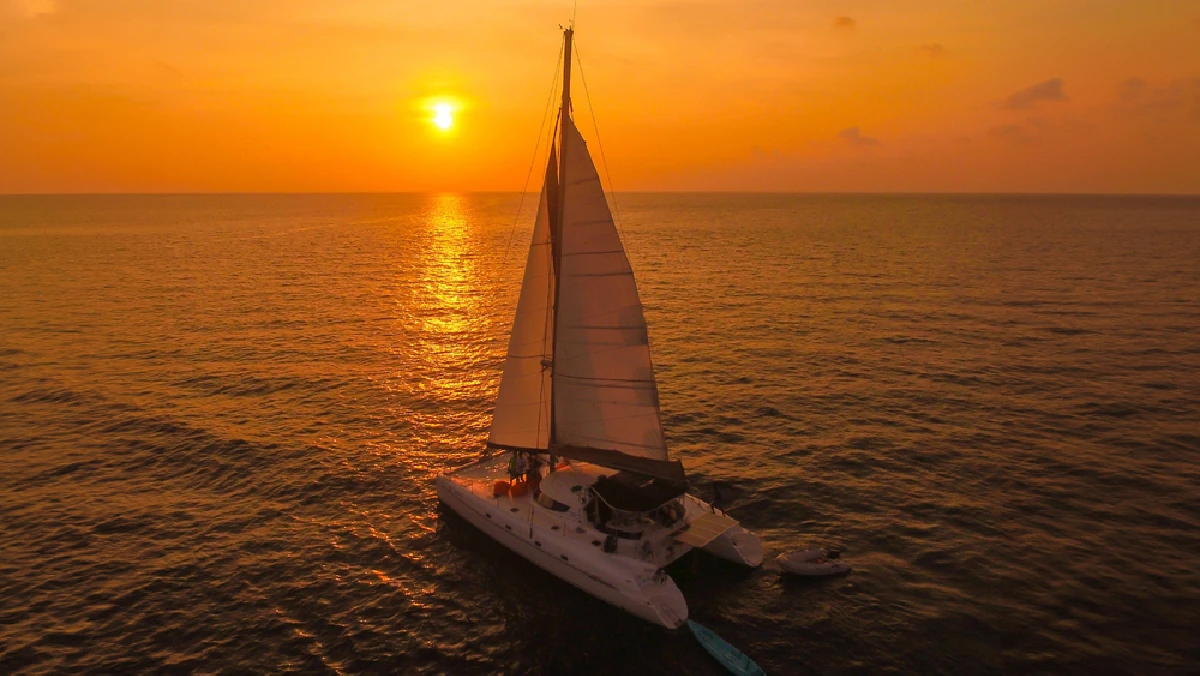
point(605, 396)
point(522, 415)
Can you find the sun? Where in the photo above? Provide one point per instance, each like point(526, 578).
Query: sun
point(443, 116)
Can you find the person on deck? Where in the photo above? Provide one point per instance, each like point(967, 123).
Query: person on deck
point(522, 467)
point(512, 467)
point(718, 502)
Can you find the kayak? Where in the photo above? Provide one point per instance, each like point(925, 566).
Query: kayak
point(731, 658)
point(812, 563)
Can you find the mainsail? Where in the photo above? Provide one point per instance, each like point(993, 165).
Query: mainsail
point(522, 416)
point(605, 396)
point(578, 380)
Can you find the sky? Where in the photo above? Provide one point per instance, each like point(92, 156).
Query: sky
point(1098, 96)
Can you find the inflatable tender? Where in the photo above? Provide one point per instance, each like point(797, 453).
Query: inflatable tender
point(813, 563)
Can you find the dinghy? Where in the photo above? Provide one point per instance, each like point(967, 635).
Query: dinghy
point(731, 658)
point(604, 507)
point(813, 563)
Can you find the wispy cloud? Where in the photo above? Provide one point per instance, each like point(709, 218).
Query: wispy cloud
point(1131, 90)
point(845, 23)
point(853, 136)
point(933, 50)
point(1011, 133)
point(1139, 97)
point(1031, 96)
point(166, 71)
point(1195, 111)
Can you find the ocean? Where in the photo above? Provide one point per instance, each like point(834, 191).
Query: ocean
point(221, 417)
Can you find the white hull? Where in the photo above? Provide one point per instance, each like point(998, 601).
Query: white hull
point(567, 546)
point(738, 545)
point(626, 583)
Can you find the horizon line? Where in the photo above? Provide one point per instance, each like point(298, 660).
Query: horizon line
point(199, 193)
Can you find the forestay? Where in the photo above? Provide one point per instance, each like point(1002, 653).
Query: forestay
point(605, 396)
point(522, 416)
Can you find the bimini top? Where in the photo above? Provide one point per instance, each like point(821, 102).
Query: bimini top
point(637, 492)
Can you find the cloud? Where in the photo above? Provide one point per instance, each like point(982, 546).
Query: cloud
point(1044, 131)
point(1139, 97)
point(933, 50)
point(1011, 133)
point(1029, 97)
point(853, 136)
point(166, 71)
point(845, 23)
point(1132, 89)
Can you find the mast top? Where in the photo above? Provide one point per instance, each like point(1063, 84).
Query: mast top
point(568, 33)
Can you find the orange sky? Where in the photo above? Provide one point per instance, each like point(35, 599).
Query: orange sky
point(875, 95)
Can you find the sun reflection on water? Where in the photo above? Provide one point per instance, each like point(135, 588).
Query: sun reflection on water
point(448, 354)
point(449, 266)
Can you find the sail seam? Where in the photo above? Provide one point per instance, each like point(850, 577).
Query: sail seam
point(514, 447)
point(617, 450)
point(606, 380)
point(619, 417)
point(600, 221)
point(592, 253)
point(608, 327)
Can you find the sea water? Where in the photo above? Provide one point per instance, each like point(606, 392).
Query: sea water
point(221, 418)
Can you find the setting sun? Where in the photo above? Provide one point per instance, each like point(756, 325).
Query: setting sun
point(443, 116)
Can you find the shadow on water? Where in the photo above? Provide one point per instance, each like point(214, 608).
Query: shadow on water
point(699, 572)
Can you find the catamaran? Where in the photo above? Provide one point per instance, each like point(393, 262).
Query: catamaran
point(602, 505)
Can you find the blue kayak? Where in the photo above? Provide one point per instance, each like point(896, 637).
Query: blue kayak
point(733, 659)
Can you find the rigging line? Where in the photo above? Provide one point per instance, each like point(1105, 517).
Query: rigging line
point(603, 160)
point(532, 163)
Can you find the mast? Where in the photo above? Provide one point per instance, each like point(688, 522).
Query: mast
point(557, 222)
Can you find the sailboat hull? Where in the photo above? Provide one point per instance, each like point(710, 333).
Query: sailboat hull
point(738, 545)
point(632, 585)
point(734, 544)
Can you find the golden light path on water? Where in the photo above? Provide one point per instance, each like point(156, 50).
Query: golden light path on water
point(441, 314)
point(446, 314)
